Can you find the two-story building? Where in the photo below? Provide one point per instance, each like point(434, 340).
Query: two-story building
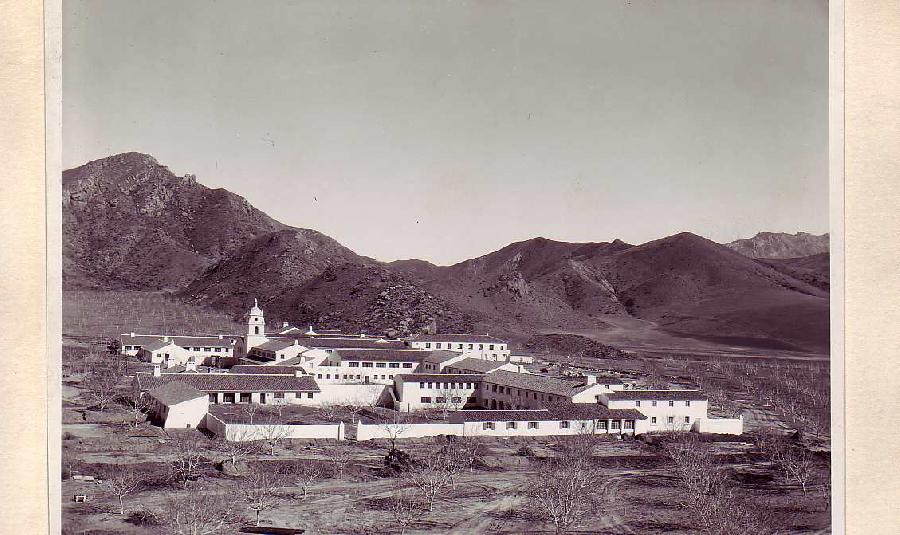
point(510, 390)
point(367, 365)
point(269, 389)
point(478, 345)
point(666, 410)
point(418, 391)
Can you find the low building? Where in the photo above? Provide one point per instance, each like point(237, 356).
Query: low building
point(478, 345)
point(178, 350)
point(418, 391)
point(277, 350)
point(241, 388)
point(556, 419)
point(436, 361)
point(176, 404)
point(666, 410)
point(367, 365)
point(510, 390)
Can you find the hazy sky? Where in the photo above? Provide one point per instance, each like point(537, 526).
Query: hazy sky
point(444, 130)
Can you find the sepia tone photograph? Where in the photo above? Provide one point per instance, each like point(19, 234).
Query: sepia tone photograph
point(445, 267)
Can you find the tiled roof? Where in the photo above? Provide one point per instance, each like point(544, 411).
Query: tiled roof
point(440, 356)
point(591, 411)
point(408, 355)
point(293, 361)
point(233, 382)
point(266, 370)
point(658, 395)
point(453, 377)
point(173, 392)
point(275, 345)
point(477, 365)
point(538, 383)
point(156, 345)
point(138, 339)
point(474, 338)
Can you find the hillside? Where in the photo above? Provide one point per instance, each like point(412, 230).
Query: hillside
point(129, 222)
point(781, 245)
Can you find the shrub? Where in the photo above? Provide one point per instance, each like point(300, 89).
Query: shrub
point(143, 517)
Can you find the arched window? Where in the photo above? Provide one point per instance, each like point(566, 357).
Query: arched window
point(256, 330)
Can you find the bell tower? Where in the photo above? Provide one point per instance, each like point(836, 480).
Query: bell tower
point(256, 327)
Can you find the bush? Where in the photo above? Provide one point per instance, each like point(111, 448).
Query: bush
point(143, 517)
point(525, 451)
point(68, 436)
point(397, 460)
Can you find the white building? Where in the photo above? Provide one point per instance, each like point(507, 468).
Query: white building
point(367, 365)
point(175, 404)
point(475, 365)
point(178, 350)
point(510, 390)
point(666, 410)
point(419, 391)
point(269, 389)
point(477, 345)
point(554, 420)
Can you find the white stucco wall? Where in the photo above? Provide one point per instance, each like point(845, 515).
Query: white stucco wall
point(545, 428)
point(724, 426)
point(662, 412)
point(248, 432)
point(370, 431)
point(185, 414)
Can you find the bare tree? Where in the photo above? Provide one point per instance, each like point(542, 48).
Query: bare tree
point(564, 491)
point(199, 513)
point(396, 427)
point(338, 456)
point(305, 473)
point(188, 459)
point(241, 445)
point(272, 433)
point(449, 399)
point(261, 492)
point(404, 510)
point(430, 477)
point(102, 383)
point(249, 410)
point(138, 403)
point(122, 483)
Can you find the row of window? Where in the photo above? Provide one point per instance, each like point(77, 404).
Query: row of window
point(351, 376)
point(670, 420)
point(687, 403)
point(450, 385)
point(601, 424)
point(204, 349)
point(437, 345)
point(380, 364)
point(441, 400)
point(245, 397)
point(508, 390)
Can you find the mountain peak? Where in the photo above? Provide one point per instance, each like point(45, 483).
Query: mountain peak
point(781, 245)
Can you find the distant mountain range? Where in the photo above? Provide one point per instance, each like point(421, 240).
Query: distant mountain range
point(128, 222)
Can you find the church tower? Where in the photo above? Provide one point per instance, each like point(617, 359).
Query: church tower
point(256, 327)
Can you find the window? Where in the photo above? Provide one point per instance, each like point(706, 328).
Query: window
point(440, 400)
point(535, 395)
point(430, 385)
point(615, 424)
point(279, 395)
point(353, 364)
point(426, 399)
point(212, 398)
point(428, 345)
point(256, 330)
point(687, 403)
point(309, 395)
point(564, 425)
point(629, 424)
point(510, 425)
point(653, 420)
point(407, 364)
point(318, 376)
point(601, 424)
point(670, 419)
point(481, 347)
point(456, 400)
point(228, 398)
point(491, 347)
point(653, 403)
point(422, 384)
point(687, 419)
point(471, 346)
point(488, 426)
point(460, 346)
point(493, 388)
point(501, 389)
point(394, 365)
point(437, 345)
point(366, 364)
point(381, 365)
point(671, 403)
point(637, 403)
point(532, 425)
point(245, 397)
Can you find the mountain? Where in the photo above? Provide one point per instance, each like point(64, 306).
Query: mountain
point(781, 245)
point(813, 269)
point(129, 222)
point(684, 284)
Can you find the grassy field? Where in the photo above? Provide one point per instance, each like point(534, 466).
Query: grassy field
point(637, 485)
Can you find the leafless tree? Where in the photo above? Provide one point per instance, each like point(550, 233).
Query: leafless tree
point(138, 403)
point(102, 383)
point(241, 445)
point(261, 492)
point(430, 476)
point(305, 474)
point(272, 433)
point(695, 465)
point(396, 427)
point(199, 513)
point(122, 483)
point(404, 510)
point(564, 491)
point(249, 410)
point(338, 456)
point(448, 399)
point(188, 458)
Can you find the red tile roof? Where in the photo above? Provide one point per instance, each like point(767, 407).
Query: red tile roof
point(174, 392)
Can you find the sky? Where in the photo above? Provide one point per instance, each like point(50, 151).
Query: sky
point(444, 130)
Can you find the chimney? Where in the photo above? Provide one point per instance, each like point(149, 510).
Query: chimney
point(165, 338)
point(190, 365)
point(284, 325)
point(157, 369)
point(221, 337)
point(590, 379)
point(296, 341)
point(298, 373)
point(132, 335)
